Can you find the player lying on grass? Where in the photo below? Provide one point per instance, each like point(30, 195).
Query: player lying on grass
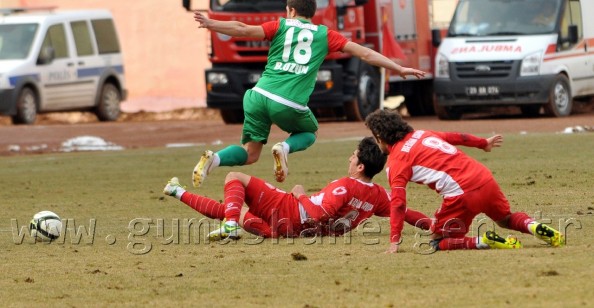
point(467, 186)
point(338, 208)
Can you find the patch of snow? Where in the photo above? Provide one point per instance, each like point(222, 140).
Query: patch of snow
point(88, 143)
point(182, 145)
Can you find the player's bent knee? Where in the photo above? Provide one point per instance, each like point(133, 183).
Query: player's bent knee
point(233, 175)
point(240, 176)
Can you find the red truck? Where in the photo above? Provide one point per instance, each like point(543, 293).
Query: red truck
point(347, 88)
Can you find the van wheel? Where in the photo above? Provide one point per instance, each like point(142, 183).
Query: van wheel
point(560, 101)
point(108, 107)
point(26, 107)
point(367, 99)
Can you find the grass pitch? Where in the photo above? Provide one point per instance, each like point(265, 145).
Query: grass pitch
point(128, 245)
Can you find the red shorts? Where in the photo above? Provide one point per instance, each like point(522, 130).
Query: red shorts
point(276, 207)
point(454, 217)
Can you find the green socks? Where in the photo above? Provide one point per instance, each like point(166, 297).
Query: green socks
point(233, 155)
point(300, 141)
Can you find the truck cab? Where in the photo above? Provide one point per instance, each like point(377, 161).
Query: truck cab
point(344, 85)
point(528, 53)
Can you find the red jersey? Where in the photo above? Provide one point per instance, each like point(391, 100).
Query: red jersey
point(431, 158)
point(343, 204)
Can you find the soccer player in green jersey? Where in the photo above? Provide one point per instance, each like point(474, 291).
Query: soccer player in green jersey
point(280, 97)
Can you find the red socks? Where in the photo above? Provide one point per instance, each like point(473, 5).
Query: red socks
point(519, 221)
point(234, 197)
point(450, 243)
point(206, 206)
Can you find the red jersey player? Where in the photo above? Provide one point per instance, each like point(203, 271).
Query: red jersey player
point(467, 187)
point(338, 208)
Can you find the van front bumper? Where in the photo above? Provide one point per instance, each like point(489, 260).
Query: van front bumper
point(478, 92)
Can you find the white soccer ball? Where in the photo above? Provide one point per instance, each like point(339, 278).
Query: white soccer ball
point(45, 226)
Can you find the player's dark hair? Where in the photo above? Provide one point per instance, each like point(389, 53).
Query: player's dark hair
point(387, 126)
point(305, 8)
point(371, 156)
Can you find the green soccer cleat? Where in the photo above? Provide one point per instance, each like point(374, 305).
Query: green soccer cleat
point(228, 229)
point(497, 242)
point(281, 168)
point(548, 234)
point(202, 168)
point(173, 187)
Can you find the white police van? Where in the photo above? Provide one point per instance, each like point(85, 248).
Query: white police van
point(53, 60)
point(535, 54)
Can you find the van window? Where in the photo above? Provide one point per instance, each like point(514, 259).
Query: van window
point(105, 34)
point(82, 38)
point(16, 40)
point(56, 38)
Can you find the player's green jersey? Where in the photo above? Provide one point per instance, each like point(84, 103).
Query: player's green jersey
point(296, 53)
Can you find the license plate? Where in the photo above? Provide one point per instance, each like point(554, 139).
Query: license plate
point(482, 90)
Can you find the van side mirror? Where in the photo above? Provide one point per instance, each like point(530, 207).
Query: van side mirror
point(572, 31)
point(435, 37)
point(186, 4)
point(46, 56)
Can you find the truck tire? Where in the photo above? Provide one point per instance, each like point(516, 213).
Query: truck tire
point(232, 116)
point(26, 107)
point(108, 105)
point(367, 99)
point(446, 113)
point(560, 100)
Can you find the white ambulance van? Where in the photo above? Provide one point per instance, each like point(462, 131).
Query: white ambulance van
point(526, 53)
point(53, 60)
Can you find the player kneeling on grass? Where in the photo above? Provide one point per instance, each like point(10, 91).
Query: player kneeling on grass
point(336, 209)
point(467, 186)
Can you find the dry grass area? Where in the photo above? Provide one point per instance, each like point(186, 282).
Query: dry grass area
point(142, 253)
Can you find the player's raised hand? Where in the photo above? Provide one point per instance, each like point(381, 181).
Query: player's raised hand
point(298, 190)
point(493, 142)
point(393, 248)
point(411, 71)
point(200, 18)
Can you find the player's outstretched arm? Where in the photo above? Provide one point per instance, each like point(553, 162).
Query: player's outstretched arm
point(375, 58)
point(231, 28)
point(493, 142)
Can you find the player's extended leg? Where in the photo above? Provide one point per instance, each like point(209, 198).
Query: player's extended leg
point(302, 125)
point(235, 185)
point(498, 209)
point(489, 240)
point(232, 155)
point(255, 131)
point(520, 221)
point(452, 223)
point(205, 206)
point(215, 210)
